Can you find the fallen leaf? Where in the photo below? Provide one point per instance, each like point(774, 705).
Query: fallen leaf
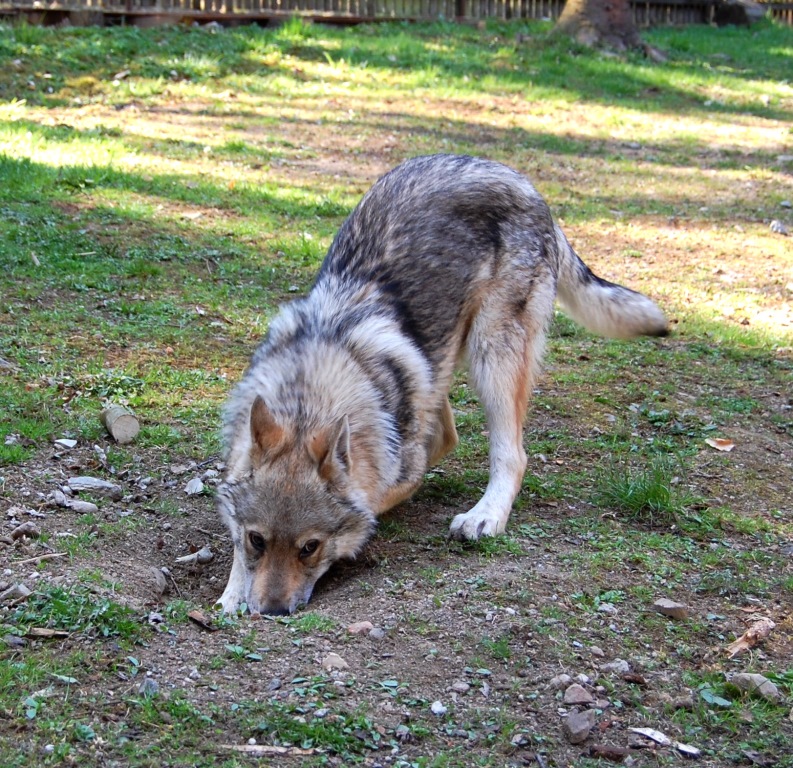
point(757, 632)
point(720, 443)
point(202, 621)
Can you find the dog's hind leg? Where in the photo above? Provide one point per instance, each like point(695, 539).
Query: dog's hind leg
point(505, 348)
point(444, 439)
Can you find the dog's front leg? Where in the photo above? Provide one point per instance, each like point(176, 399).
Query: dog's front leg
point(236, 591)
point(490, 515)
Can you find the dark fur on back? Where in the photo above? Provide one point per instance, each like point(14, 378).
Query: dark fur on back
point(447, 259)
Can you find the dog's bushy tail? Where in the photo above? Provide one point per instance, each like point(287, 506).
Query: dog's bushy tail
point(603, 307)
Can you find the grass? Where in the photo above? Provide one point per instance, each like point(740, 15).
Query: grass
point(648, 495)
point(150, 226)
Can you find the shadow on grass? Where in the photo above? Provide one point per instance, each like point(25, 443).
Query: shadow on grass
point(269, 206)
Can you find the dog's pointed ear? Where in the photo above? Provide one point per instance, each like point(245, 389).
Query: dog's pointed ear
point(267, 435)
point(330, 449)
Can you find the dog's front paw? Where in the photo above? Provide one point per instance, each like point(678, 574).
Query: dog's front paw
point(474, 524)
point(230, 600)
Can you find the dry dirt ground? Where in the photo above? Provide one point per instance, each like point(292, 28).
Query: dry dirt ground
point(462, 666)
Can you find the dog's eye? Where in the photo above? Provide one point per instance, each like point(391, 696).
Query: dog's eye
point(309, 548)
point(257, 541)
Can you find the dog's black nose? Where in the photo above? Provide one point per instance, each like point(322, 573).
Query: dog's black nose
point(274, 610)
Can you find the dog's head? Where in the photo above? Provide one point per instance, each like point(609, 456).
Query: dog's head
point(292, 512)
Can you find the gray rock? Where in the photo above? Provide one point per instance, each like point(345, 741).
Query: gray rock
point(756, 685)
point(15, 592)
point(148, 687)
point(334, 661)
point(159, 584)
point(194, 487)
point(578, 725)
point(559, 682)
point(576, 694)
point(670, 608)
point(95, 485)
point(82, 507)
point(617, 667)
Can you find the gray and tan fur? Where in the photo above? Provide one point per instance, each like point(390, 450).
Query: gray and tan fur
point(446, 260)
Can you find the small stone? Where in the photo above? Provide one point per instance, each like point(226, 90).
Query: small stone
point(611, 753)
point(95, 485)
point(64, 442)
point(779, 228)
point(82, 507)
point(194, 674)
point(654, 735)
point(596, 650)
point(148, 687)
point(194, 487)
point(15, 592)
point(607, 608)
point(756, 685)
point(159, 584)
point(683, 702)
point(786, 204)
point(181, 469)
point(618, 666)
point(27, 530)
point(460, 687)
point(377, 633)
point(437, 708)
point(275, 684)
point(671, 608)
point(559, 682)
point(360, 628)
point(59, 498)
point(578, 725)
point(577, 694)
point(687, 750)
point(334, 661)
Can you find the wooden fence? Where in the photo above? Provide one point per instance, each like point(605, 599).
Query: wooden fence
point(647, 12)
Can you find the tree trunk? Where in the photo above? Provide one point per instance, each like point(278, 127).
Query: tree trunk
point(600, 22)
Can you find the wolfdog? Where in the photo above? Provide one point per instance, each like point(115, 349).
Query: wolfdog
point(446, 260)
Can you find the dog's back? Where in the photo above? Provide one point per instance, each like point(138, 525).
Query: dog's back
point(446, 257)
